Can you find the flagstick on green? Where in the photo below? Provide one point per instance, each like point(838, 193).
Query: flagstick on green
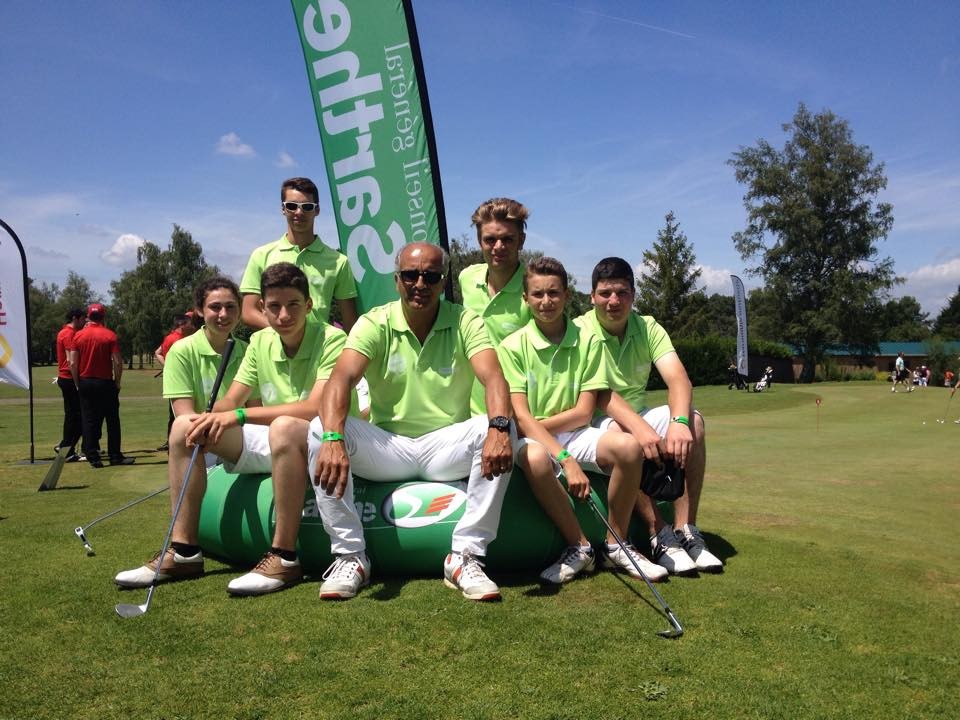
point(818, 414)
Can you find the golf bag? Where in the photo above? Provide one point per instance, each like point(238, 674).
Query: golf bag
point(764, 382)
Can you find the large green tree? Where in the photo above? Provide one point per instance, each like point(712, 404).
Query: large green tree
point(48, 307)
point(903, 320)
point(146, 298)
point(667, 286)
point(947, 324)
point(813, 224)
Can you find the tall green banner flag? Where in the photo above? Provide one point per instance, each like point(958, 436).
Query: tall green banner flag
point(366, 77)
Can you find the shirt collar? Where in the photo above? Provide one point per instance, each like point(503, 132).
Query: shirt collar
point(445, 316)
point(570, 336)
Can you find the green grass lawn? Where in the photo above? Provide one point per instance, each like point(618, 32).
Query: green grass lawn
point(840, 597)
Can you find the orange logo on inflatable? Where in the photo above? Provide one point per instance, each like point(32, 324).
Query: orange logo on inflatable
point(421, 504)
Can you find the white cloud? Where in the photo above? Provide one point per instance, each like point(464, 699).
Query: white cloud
point(230, 144)
point(932, 285)
point(124, 250)
point(284, 160)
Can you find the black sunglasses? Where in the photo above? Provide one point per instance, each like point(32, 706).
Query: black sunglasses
point(291, 206)
point(430, 277)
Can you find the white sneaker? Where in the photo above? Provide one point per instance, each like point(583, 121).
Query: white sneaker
point(272, 573)
point(464, 572)
point(615, 559)
point(696, 548)
point(174, 567)
point(573, 561)
point(669, 553)
point(345, 577)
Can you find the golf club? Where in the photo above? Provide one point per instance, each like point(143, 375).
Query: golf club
point(126, 610)
point(81, 530)
point(946, 410)
point(52, 477)
point(676, 631)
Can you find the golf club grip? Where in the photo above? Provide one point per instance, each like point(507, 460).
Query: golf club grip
point(221, 371)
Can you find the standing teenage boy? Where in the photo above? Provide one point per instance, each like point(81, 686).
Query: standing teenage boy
point(287, 364)
point(494, 288)
point(674, 430)
point(555, 374)
point(328, 271)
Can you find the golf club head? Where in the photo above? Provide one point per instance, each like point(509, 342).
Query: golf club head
point(675, 631)
point(127, 610)
point(670, 634)
point(83, 538)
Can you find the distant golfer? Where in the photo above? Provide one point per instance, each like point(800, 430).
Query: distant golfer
point(901, 374)
point(96, 367)
point(183, 326)
point(72, 416)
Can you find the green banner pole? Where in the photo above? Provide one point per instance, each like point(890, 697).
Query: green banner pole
point(369, 94)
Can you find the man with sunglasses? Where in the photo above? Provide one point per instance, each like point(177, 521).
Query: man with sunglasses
point(420, 355)
point(327, 270)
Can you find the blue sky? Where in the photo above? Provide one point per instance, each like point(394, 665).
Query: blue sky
point(119, 119)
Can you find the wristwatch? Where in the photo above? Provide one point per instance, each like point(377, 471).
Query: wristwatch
point(500, 423)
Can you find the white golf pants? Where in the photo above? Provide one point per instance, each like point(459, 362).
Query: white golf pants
point(450, 453)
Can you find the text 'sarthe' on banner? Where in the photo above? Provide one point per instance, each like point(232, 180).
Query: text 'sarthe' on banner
point(14, 340)
point(740, 304)
point(366, 78)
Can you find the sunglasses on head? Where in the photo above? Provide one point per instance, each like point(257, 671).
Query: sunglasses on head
point(291, 206)
point(430, 277)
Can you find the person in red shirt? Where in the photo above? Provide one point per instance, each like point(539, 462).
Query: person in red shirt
point(96, 367)
point(72, 428)
point(183, 326)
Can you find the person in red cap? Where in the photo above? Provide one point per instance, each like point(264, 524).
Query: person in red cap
point(183, 326)
point(96, 367)
point(72, 427)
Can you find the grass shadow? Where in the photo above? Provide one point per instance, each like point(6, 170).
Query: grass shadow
point(719, 546)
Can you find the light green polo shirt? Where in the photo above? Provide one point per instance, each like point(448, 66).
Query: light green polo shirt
point(327, 270)
point(644, 342)
point(503, 314)
point(283, 379)
point(553, 376)
point(190, 369)
point(416, 389)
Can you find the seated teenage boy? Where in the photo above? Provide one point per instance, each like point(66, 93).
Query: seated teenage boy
point(673, 430)
point(287, 363)
point(554, 374)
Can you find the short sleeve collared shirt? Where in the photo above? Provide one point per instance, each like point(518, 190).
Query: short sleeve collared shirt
point(414, 388)
point(281, 379)
point(96, 345)
point(503, 314)
point(553, 376)
point(327, 271)
point(644, 342)
point(191, 368)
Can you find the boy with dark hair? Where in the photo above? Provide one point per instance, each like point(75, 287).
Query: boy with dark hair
point(72, 418)
point(327, 270)
point(287, 364)
point(674, 430)
point(555, 373)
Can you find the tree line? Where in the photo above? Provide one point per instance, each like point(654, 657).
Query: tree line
point(813, 226)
